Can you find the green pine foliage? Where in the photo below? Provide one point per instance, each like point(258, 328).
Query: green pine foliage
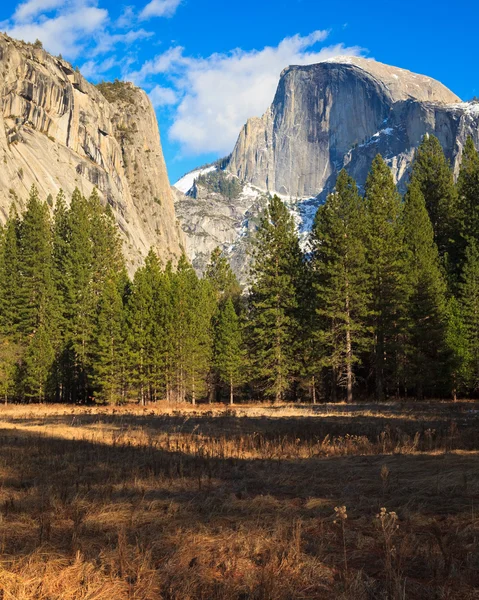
point(193, 311)
point(341, 283)
point(469, 300)
point(38, 299)
point(222, 183)
point(387, 272)
point(222, 279)
point(36, 366)
point(109, 353)
point(457, 348)
point(276, 272)
point(426, 370)
point(10, 276)
point(434, 175)
point(383, 301)
point(225, 287)
point(229, 353)
point(468, 197)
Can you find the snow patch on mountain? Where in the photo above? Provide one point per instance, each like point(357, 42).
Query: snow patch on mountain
point(185, 184)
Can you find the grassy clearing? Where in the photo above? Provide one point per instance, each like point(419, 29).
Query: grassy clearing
point(243, 503)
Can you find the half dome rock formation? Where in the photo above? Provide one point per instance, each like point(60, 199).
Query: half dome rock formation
point(58, 131)
point(324, 115)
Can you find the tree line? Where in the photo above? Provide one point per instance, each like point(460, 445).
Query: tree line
point(383, 301)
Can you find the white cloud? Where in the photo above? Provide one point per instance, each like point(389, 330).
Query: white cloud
point(94, 70)
point(106, 41)
point(219, 93)
point(168, 62)
point(32, 8)
point(126, 18)
point(162, 96)
point(160, 8)
point(63, 33)
point(71, 27)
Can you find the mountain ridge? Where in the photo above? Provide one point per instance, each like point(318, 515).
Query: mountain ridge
point(59, 131)
point(324, 117)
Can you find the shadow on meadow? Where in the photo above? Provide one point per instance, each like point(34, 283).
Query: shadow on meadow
point(201, 510)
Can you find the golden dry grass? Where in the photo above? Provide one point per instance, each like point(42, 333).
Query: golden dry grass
point(211, 503)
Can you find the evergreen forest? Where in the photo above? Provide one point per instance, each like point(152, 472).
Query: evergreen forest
point(383, 302)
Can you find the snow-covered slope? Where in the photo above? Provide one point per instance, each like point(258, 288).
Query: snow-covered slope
point(209, 219)
point(185, 184)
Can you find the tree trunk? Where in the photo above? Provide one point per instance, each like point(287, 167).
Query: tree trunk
point(313, 389)
point(231, 391)
point(349, 355)
point(334, 396)
point(380, 369)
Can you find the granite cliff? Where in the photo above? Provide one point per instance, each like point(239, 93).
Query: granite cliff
point(323, 117)
point(59, 131)
point(326, 116)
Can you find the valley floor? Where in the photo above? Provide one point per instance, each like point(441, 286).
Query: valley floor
point(213, 502)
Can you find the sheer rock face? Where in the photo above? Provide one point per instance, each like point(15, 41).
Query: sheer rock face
point(324, 117)
point(59, 132)
point(338, 113)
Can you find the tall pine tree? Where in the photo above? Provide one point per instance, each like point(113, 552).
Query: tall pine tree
point(109, 345)
point(432, 172)
point(341, 282)
point(468, 197)
point(469, 300)
point(426, 339)
point(10, 275)
point(276, 272)
point(386, 257)
point(229, 351)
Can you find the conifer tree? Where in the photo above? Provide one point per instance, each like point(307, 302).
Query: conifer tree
point(109, 342)
point(165, 315)
point(427, 364)
point(79, 301)
point(37, 364)
point(341, 281)
point(158, 345)
point(469, 300)
point(39, 302)
point(276, 272)
point(61, 241)
point(225, 286)
point(385, 253)
point(140, 332)
point(10, 355)
point(433, 174)
point(193, 306)
point(106, 244)
point(147, 329)
point(10, 281)
point(457, 347)
point(229, 351)
point(200, 338)
point(221, 276)
point(468, 196)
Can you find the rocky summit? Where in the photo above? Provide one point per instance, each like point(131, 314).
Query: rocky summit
point(334, 114)
point(58, 131)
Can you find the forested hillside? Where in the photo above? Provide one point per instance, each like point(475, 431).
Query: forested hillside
point(384, 302)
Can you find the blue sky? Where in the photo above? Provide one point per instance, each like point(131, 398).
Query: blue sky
point(208, 65)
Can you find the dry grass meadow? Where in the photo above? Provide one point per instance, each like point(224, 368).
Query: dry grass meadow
point(261, 502)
